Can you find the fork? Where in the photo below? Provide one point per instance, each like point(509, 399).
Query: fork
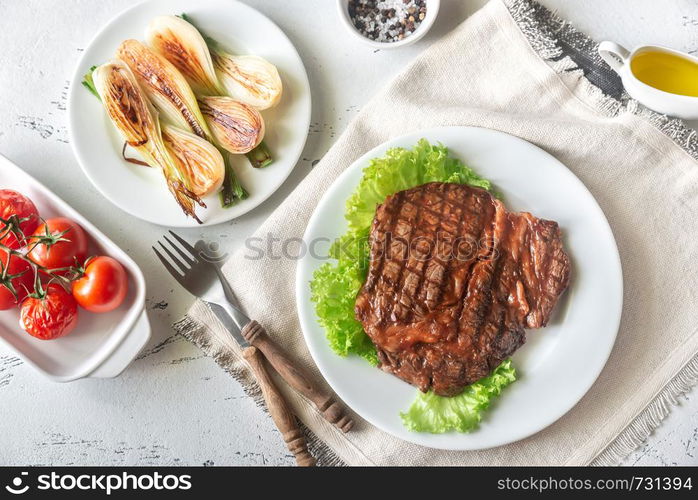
point(195, 276)
point(202, 278)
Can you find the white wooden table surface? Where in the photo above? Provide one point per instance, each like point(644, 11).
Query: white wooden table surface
point(174, 406)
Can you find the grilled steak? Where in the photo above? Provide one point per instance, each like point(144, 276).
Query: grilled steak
point(454, 279)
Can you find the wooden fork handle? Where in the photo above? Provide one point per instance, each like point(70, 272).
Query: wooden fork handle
point(279, 410)
point(296, 377)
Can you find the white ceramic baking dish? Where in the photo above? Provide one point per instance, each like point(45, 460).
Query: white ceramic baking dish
point(102, 345)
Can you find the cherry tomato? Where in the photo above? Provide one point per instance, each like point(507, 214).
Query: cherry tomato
point(103, 286)
point(51, 316)
point(14, 203)
point(69, 246)
point(23, 282)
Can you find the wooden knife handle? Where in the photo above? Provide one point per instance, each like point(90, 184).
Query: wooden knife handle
point(296, 377)
point(279, 410)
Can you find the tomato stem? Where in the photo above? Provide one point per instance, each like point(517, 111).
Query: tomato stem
point(62, 275)
point(6, 278)
point(12, 225)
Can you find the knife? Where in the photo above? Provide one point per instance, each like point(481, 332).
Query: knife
point(256, 335)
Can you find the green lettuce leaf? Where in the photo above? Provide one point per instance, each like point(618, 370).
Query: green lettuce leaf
point(462, 413)
point(335, 284)
point(334, 289)
point(402, 169)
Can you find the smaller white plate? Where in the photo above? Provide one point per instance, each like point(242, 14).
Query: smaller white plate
point(102, 345)
point(141, 191)
point(559, 363)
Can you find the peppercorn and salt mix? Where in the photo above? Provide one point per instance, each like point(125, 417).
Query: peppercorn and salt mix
point(387, 20)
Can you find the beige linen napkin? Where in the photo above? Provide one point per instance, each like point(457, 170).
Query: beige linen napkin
point(503, 69)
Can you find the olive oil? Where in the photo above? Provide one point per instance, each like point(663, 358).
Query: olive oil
point(667, 72)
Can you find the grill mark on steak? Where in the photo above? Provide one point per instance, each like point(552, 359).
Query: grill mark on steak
point(388, 276)
point(442, 320)
point(452, 335)
point(425, 256)
point(402, 242)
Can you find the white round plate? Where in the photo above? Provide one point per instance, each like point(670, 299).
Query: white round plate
point(559, 363)
point(141, 191)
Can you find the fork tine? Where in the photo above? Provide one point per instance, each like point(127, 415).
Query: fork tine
point(174, 258)
point(184, 243)
point(189, 259)
point(170, 268)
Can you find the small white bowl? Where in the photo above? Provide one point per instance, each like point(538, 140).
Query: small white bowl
point(424, 26)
